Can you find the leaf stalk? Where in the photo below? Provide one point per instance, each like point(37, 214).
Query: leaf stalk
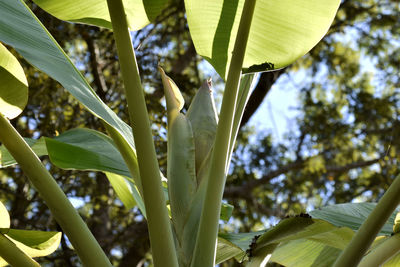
point(13, 255)
point(207, 235)
point(86, 246)
point(160, 232)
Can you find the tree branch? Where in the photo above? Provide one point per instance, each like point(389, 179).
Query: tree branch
point(265, 82)
point(98, 78)
point(184, 60)
point(244, 189)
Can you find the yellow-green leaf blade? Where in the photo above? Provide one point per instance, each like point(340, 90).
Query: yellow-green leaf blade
point(281, 31)
point(126, 191)
point(35, 243)
point(23, 31)
point(305, 253)
point(13, 85)
point(95, 12)
point(4, 217)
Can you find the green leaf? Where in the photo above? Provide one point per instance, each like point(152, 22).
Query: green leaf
point(126, 191)
point(13, 85)
point(38, 146)
point(203, 117)
point(246, 83)
point(351, 215)
point(281, 31)
point(305, 253)
point(95, 12)
point(4, 217)
point(227, 250)
point(32, 243)
point(291, 229)
point(226, 211)
point(396, 224)
point(393, 262)
point(84, 149)
point(20, 29)
point(35, 243)
point(181, 170)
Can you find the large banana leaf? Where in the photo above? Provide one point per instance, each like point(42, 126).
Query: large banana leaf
point(20, 29)
point(351, 215)
point(309, 253)
point(78, 149)
point(281, 31)
point(85, 149)
point(305, 253)
point(95, 12)
point(13, 85)
point(306, 242)
point(288, 230)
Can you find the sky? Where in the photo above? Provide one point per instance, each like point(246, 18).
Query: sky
point(278, 110)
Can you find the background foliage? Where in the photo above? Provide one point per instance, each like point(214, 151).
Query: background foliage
point(343, 145)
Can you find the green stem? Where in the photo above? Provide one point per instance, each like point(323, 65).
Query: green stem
point(364, 237)
point(382, 253)
point(128, 154)
point(13, 255)
point(206, 238)
point(243, 98)
point(161, 239)
point(65, 214)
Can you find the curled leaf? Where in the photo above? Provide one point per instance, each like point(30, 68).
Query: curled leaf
point(13, 86)
point(203, 117)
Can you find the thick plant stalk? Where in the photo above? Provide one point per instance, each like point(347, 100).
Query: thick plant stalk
point(128, 154)
point(13, 255)
point(161, 239)
point(364, 237)
point(207, 235)
point(86, 246)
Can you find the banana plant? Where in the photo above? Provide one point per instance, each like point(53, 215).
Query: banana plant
point(240, 38)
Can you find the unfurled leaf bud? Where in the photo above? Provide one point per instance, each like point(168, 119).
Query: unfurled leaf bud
point(204, 120)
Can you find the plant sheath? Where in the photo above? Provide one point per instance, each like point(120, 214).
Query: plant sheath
point(364, 237)
point(13, 255)
point(86, 246)
point(207, 235)
point(161, 239)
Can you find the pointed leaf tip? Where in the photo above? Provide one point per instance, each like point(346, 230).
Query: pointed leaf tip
point(203, 117)
point(173, 96)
